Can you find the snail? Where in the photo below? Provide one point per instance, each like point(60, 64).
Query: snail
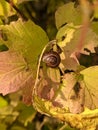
point(52, 59)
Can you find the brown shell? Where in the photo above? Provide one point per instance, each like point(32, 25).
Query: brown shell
point(52, 59)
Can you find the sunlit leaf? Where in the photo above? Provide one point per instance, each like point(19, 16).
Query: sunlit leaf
point(26, 38)
point(54, 74)
point(22, 39)
point(87, 119)
point(71, 40)
point(95, 2)
point(71, 93)
point(64, 99)
point(90, 77)
point(5, 9)
point(65, 34)
point(68, 14)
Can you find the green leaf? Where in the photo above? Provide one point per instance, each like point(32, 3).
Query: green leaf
point(27, 38)
point(68, 14)
point(90, 78)
point(3, 102)
point(8, 114)
point(65, 34)
point(3, 48)
point(5, 9)
point(18, 66)
point(26, 115)
point(54, 74)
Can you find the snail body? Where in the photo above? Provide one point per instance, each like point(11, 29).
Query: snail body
point(52, 59)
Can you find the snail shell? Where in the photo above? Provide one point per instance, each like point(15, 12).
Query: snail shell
point(52, 59)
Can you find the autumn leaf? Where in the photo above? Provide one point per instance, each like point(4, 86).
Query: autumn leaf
point(14, 74)
point(18, 66)
point(25, 37)
point(66, 99)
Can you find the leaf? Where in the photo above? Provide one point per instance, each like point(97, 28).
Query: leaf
point(26, 115)
point(27, 38)
point(50, 86)
point(5, 9)
point(90, 77)
point(71, 93)
point(65, 34)
point(95, 9)
point(65, 37)
point(87, 119)
point(63, 99)
point(13, 72)
point(8, 114)
point(68, 14)
point(25, 41)
point(3, 48)
point(70, 43)
point(3, 102)
point(54, 74)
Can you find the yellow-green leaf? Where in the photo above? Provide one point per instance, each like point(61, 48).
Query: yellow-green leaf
point(90, 77)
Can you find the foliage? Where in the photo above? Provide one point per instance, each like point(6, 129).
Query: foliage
point(68, 91)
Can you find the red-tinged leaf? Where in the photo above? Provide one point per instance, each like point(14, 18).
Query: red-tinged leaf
point(27, 92)
point(26, 38)
point(14, 73)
